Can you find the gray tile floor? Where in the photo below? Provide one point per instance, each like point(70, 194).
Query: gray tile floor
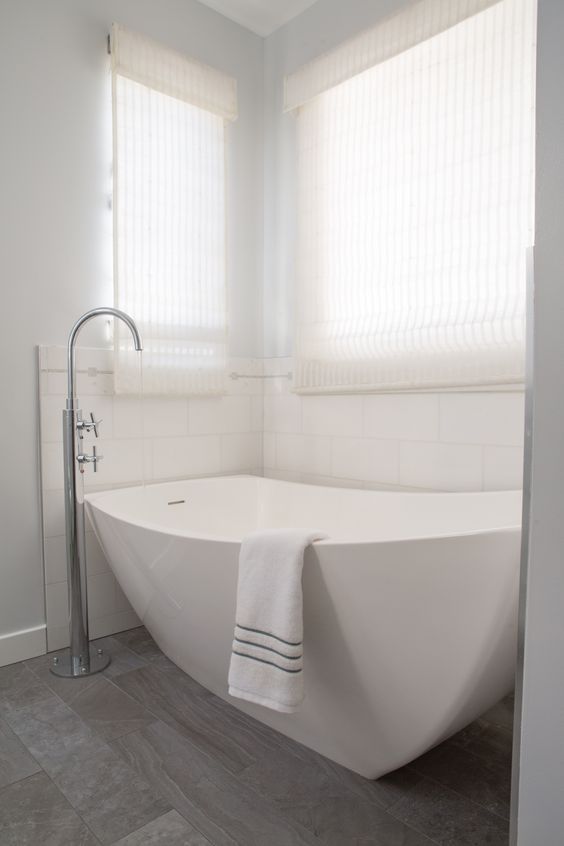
point(142, 754)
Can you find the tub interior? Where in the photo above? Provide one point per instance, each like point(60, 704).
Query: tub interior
point(228, 508)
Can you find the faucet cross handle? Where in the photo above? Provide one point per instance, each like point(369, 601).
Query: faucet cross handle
point(83, 459)
point(88, 425)
point(94, 425)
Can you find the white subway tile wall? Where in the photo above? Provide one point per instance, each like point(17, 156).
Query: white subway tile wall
point(331, 415)
point(466, 441)
point(151, 439)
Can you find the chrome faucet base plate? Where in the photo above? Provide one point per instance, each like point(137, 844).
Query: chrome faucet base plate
point(62, 665)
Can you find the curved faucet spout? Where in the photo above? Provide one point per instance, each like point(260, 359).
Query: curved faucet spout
point(95, 312)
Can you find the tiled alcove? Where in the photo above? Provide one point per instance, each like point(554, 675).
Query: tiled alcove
point(459, 441)
point(151, 439)
point(429, 441)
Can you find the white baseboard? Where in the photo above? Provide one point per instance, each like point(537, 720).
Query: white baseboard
point(19, 646)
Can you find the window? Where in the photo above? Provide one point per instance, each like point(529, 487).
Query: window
point(169, 216)
point(415, 200)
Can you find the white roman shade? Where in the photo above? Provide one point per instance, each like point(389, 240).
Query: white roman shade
point(169, 116)
point(415, 200)
point(419, 21)
point(143, 60)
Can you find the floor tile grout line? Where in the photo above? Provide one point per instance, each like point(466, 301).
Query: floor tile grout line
point(47, 775)
point(141, 827)
point(75, 810)
point(25, 778)
point(159, 719)
point(30, 753)
point(270, 803)
point(97, 840)
point(98, 734)
point(386, 810)
point(156, 717)
point(99, 737)
point(123, 646)
point(280, 811)
point(145, 662)
point(199, 830)
point(273, 809)
point(56, 695)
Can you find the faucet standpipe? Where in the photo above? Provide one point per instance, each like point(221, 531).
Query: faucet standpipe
point(81, 659)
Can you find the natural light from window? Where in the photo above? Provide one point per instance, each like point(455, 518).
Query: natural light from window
point(415, 211)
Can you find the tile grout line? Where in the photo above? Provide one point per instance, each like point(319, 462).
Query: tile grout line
point(44, 772)
point(148, 662)
point(102, 739)
point(217, 762)
point(271, 804)
point(141, 827)
point(29, 752)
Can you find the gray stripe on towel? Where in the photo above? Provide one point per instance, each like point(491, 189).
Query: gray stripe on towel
point(269, 648)
point(269, 634)
point(264, 661)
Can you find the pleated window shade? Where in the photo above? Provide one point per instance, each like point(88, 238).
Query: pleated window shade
point(415, 200)
point(169, 116)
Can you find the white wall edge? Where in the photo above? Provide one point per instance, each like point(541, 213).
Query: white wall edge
point(19, 646)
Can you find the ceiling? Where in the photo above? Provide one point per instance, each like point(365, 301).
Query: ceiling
point(260, 16)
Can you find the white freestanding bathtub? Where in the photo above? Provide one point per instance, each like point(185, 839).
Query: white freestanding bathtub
point(410, 604)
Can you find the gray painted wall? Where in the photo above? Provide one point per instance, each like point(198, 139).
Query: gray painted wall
point(55, 223)
point(539, 786)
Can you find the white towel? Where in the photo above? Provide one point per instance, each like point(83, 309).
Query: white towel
point(267, 654)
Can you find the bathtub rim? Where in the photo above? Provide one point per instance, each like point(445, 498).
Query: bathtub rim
point(93, 499)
